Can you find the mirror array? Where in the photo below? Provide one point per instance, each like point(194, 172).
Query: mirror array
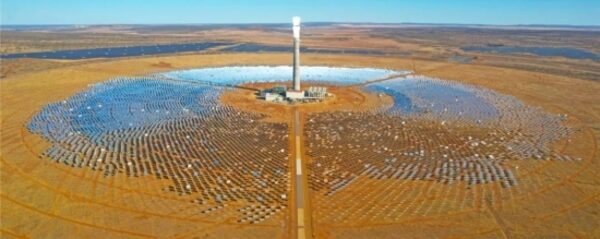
point(228, 160)
point(256, 74)
point(230, 163)
point(436, 131)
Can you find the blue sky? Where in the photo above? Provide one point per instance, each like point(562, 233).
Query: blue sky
point(503, 12)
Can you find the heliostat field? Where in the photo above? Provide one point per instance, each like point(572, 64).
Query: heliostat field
point(440, 147)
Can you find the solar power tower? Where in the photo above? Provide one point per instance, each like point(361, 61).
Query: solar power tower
point(296, 29)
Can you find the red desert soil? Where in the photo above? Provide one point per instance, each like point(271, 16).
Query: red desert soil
point(44, 199)
point(344, 98)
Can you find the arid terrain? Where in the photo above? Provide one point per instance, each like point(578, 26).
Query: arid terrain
point(406, 41)
point(41, 198)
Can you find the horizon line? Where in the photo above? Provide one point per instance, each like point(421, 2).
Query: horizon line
point(307, 22)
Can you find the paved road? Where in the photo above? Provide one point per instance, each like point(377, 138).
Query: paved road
point(300, 187)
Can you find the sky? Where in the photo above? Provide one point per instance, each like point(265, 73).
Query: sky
point(495, 12)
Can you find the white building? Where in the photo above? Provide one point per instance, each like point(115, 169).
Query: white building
point(294, 95)
point(273, 97)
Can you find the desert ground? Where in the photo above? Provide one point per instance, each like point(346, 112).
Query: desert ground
point(425, 42)
point(44, 199)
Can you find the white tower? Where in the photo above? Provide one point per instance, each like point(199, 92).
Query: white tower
point(296, 29)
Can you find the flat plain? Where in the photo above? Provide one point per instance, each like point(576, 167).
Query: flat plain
point(44, 199)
